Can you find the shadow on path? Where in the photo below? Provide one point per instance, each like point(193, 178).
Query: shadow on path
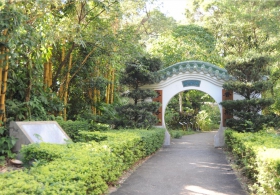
point(189, 166)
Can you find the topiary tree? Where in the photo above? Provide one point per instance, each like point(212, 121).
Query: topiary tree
point(139, 113)
point(251, 80)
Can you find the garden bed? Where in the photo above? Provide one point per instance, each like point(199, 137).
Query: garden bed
point(257, 156)
point(81, 168)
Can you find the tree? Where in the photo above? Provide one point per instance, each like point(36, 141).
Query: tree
point(139, 113)
point(242, 32)
point(186, 42)
point(250, 82)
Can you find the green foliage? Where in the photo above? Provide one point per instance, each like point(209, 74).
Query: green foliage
point(176, 134)
point(6, 144)
point(214, 114)
point(77, 130)
point(138, 114)
point(195, 36)
point(72, 128)
point(186, 42)
point(85, 136)
point(139, 72)
point(204, 121)
point(81, 168)
point(257, 154)
point(250, 82)
point(198, 111)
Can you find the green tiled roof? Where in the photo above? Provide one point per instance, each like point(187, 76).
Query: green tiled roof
point(193, 66)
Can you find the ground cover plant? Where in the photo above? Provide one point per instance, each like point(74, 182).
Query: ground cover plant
point(179, 133)
point(82, 167)
point(258, 156)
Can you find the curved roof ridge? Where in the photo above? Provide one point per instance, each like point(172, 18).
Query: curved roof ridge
point(192, 66)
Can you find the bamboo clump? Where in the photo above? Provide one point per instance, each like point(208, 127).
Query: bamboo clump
point(4, 66)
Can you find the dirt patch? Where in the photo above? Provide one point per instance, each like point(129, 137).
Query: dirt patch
point(9, 166)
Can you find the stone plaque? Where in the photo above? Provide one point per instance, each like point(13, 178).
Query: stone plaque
point(37, 131)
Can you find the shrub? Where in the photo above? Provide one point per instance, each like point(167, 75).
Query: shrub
point(86, 136)
point(249, 83)
point(176, 134)
point(81, 168)
point(179, 133)
point(139, 114)
point(72, 128)
point(6, 144)
point(258, 154)
point(76, 129)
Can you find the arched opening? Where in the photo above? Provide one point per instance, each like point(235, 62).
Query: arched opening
point(192, 110)
point(190, 75)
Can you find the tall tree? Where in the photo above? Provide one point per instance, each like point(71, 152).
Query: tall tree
point(250, 82)
point(241, 31)
point(137, 73)
point(186, 42)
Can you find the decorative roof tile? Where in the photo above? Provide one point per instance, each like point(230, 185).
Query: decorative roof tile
point(191, 66)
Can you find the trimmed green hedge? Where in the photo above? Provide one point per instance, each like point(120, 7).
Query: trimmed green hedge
point(80, 168)
point(258, 154)
point(72, 128)
point(76, 129)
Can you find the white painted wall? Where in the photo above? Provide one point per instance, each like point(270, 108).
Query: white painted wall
point(209, 84)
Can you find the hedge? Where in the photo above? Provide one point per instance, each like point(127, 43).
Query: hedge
point(258, 154)
point(73, 128)
point(80, 168)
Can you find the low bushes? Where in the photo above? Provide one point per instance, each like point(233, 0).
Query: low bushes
point(258, 154)
point(73, 129)
point(177, 134)
point(81, 168)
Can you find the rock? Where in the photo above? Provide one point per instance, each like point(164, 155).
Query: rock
point(16, 162)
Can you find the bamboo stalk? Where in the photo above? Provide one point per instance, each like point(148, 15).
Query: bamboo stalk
point(108, 87)
point(63, 54)
point(1, 69)
point(94, 100)
point(98, 100)
point(4, 89)
point(112, 86)
point(50, 74)
point(4, 77)
point(46, 75)
point(65, 98)
point(1, 82)
point(90, 93)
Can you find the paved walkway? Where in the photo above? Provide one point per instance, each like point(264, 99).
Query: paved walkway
point(189, 166)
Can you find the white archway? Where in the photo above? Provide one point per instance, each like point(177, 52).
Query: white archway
point(190, 75)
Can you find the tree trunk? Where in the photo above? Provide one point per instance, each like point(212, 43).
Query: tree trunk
point(4, 86)
point(180, 102)
point(65, 97)
point(46, 75)
point(29, 87)
point(50, 74)
point(112, 86)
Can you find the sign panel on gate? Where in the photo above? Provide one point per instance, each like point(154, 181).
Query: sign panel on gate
point(188, 83)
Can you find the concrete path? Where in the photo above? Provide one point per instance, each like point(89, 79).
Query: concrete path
point(189, 166)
